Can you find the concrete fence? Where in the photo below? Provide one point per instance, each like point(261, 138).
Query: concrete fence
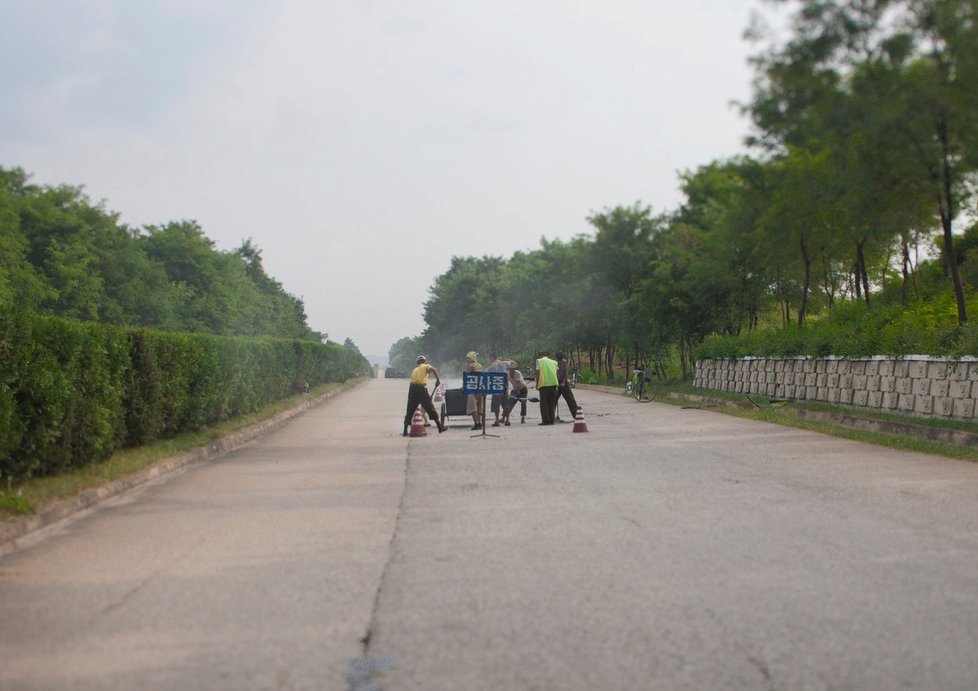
point(915, 385)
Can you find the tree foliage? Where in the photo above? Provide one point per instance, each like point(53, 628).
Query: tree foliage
point(61, 255)
point(886, 89)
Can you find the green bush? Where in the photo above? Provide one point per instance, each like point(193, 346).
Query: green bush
point(67, 392)
point(144, 391)
point(93, 358)
point(73, 392)
point(852, 331)
point(15, 338)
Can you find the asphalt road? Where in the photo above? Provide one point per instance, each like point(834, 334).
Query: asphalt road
point(667, 548)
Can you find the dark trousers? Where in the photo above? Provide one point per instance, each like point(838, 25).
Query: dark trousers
point(514, 398)
point(568, 396)
point(548, 403)
point(418, 396)
point(498, 402)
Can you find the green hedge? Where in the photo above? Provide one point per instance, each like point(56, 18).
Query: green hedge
point(73, 392)
point(853, 331)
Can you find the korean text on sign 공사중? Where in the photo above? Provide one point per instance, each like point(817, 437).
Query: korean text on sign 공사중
point(484, 382)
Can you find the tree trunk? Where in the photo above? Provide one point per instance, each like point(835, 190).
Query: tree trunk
point(686, 355)
point(946, 223)
point(827, 286)
point(905, 248)
point(610, 360)
point(947, 219)
point(863, 273)
point(913, 271)
point(808, 281)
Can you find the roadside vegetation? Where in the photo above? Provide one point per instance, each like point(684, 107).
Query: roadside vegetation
point(114, 338)
point(63, 255)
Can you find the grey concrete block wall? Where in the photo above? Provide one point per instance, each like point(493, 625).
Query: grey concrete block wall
point(917, 384)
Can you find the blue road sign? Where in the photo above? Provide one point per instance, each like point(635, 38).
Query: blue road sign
point(484, 382)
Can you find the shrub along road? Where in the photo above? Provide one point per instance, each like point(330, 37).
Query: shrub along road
point(667, 548)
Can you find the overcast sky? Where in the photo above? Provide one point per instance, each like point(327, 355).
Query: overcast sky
point(363, 143)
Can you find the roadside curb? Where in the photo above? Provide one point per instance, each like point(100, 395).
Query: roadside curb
point(601, 388)
point(707, 400)
point(13, 530)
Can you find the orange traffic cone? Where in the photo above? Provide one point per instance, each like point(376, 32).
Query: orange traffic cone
point(579, 424)
point(417, 424)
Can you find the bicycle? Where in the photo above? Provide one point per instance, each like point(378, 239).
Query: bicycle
point(640, 385)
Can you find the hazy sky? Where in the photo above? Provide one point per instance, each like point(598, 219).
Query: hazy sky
point(362, 143)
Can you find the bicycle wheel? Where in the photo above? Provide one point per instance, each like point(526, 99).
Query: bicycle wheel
point(644, 394)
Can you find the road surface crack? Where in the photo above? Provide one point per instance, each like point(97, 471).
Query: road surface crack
point(362, 670)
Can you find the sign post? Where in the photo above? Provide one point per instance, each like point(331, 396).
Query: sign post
point(481, 384)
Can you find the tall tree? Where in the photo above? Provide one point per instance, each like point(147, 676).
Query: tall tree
point(724, 201)
point(916, 57)
point(460, 311)
point(620, 258)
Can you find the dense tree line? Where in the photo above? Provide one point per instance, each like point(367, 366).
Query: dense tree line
point(860, 192)
point(62, 255)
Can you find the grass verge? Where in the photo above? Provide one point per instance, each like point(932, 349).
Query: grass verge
point(782, 413)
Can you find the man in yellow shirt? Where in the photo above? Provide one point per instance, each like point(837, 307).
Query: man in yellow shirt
point(418, 393)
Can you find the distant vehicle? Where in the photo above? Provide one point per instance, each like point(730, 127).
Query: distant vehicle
point(391, 373)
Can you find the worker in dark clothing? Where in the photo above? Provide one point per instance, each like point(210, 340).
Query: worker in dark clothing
point(418, 394)
point(563, 386)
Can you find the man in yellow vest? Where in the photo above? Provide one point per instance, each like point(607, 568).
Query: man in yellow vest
point(546, 376)
point(418, 393)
